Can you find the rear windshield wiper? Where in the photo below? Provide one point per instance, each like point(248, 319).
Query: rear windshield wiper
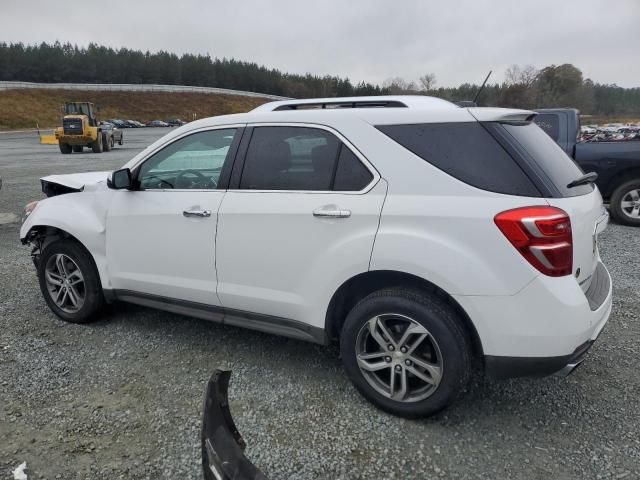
point(584, 179)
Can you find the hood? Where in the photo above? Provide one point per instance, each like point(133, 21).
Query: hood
point(74, 182)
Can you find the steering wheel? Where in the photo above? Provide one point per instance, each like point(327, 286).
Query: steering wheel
point(201, 179)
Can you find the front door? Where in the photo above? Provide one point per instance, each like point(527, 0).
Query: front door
point(160, 238)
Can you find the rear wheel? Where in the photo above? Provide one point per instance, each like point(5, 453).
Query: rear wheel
point(625, 203)
point(64, 148)
point(97, 145)
point(406, 352)
point(69, 281)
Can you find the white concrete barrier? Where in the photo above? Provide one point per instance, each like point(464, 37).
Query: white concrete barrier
point(130, 87)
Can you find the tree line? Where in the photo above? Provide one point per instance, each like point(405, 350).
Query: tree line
point(529, 88)
point(523, 86)
point(58, 62)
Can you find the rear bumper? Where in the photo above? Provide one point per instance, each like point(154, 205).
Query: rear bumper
point(546, 328)
point(509, 367)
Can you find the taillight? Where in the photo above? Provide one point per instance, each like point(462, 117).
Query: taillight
point(542, 235)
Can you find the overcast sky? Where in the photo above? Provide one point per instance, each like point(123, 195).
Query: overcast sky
point(371, 40)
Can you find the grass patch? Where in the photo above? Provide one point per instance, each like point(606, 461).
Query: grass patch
point(24, 108)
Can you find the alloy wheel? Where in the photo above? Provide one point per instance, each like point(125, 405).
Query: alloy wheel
point(65, 283)
point(399, 358)
point(630, 204)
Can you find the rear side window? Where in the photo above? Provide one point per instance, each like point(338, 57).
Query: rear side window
point(351, 174)
point(467, 152)
point(301, 158)
point(290, 158)
point(548, 157)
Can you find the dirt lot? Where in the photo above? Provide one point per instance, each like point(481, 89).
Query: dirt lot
point(121, 398)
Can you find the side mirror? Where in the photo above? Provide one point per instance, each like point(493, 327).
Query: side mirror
point(120, 179)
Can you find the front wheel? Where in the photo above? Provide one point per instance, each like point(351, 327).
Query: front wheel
point(96, 146)
point(64, 148)
point(107, 142)
point(69, 281)
point(625, 203)
point(406, 352)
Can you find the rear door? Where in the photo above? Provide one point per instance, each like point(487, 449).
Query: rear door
point(301, 217)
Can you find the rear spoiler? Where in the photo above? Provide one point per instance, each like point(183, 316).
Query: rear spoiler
point(502, 115)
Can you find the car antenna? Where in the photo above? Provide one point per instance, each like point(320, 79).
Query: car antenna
point(482, 86)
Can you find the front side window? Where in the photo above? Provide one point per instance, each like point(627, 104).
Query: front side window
point(192, 162)
point(301, 158)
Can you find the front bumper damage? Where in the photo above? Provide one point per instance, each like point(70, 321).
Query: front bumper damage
point(222, 445)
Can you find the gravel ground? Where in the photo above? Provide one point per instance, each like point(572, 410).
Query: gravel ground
point(121, 397)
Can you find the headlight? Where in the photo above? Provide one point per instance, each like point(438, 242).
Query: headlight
point(29, 207)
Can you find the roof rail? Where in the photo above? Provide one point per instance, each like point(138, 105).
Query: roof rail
point(382, 101)
point(339, 104)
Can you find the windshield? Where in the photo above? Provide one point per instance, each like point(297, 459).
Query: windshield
point(76, 109)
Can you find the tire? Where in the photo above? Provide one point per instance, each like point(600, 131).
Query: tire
point(97, 145)
point(445, 347)
point(65, 148)
point(77, 148)
point(107, 142)
point(625, 203)
point(87, 292)
point(121, 141)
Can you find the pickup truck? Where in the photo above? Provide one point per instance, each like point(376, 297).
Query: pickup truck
point(617, 163)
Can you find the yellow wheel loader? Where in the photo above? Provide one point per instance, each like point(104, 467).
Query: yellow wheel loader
point(80, 129)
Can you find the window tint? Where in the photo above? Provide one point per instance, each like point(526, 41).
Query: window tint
point(467, 152)
point(549, 123)
point(351, 174)
point(290, 158)
point(192, 162)
point(549, 157)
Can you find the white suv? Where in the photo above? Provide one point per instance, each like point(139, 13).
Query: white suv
point(427, 239)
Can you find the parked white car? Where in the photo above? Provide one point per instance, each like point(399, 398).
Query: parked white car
point(427, 239)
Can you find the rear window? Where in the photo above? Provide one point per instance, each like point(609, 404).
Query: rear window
point(466, 151)
point(548, 157)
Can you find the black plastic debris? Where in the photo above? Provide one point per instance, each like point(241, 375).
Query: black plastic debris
point(222, 445)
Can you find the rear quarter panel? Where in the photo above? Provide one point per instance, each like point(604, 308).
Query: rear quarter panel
point(439, 228)
point(452, 242)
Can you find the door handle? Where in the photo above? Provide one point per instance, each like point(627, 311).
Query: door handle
point(197, 213)
point(331, 212)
